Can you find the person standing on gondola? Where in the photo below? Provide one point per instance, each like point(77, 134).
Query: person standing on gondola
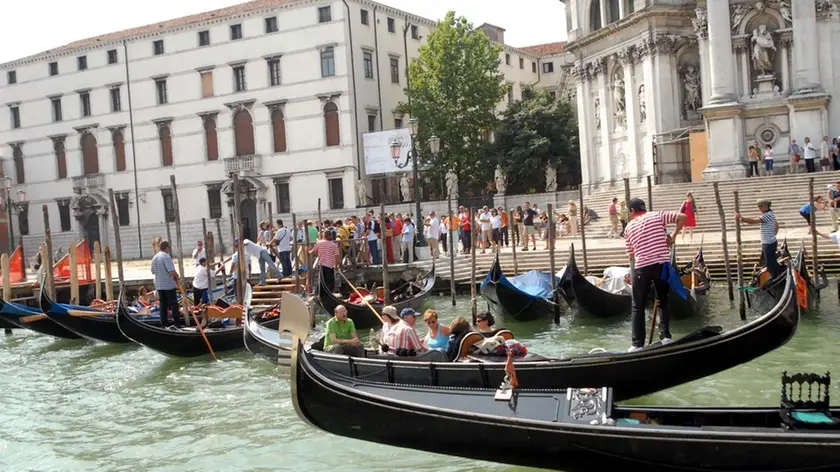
point(767, 234)
point(647, 243)
point(326, 250)
point(166, 283)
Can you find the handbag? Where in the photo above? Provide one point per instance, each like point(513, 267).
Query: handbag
point(797, 158)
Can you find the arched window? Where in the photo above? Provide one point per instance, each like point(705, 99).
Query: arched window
point(60, 157)
point(243, 133)
point(331, 124)
point(278, 127)
point(119, 149)
point(90, 154)
point(165, 136)
point(595, 15)
point(211, 140)
point(17, 156)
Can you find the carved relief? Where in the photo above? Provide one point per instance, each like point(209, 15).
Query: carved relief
point(619, 101)
point(580, 73)
point(642, 104)
point(692, 95)
point(741, 10)
point(597, 108)
point(627, 55)
point(826, 9)
point(701, 23)
point(595, 68)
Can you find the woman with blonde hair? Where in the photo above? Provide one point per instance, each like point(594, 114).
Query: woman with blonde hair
point(573, 217)
point(438, 336)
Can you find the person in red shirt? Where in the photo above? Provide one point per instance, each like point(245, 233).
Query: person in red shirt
point(466, 227)
point(648, 245)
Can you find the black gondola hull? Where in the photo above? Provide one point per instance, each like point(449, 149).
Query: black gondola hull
point(508, 301)
point(589, 299)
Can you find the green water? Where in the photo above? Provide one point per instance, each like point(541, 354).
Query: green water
point(73, 405)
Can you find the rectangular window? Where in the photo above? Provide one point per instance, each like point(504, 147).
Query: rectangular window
point(235, 32)
point(157, 47)
point(274, 71)
point(395, 70)
point(365, 17)
point(64, 214)
point(116, 103)
point(53, 68)
point(533, 67)
point(521, 63)
point(207, 83)
point(398, 124)
point(271, 25)
point(553, 94)
point(204, 38)
point(56, 108)
point(122, 209)
point(214, 200)
point(168, 205)
point(324, 14)
point(507, 59)
point(15, 111)
point(510, 93)
point(160, 87)
point(82, 62)
point(548, 67)
point(368, 61)
point(284, 201)
point(371, 123)
point(336, 187)
point(414, 32)
point(11, 77)
point(239, 78)
point(84, 98)
point(23, 223)
point(327, 62)
point(112, 56)
point(392, 25)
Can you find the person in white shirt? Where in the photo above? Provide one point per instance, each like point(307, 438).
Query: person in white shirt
point(486, 228)
point(283, 242)
point(408, 240)
point(433, 224)
point(263, 257)
point(234, 258)
point(201, 282)
point(810, 156)
point(496, 228)
point(825, 155)
point(199, 251)
point(768, 161)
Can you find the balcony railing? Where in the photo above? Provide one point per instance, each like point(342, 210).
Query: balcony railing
point(88, 182)
point(243, 164)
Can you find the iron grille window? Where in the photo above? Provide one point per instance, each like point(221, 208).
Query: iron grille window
point(239, 78)
point(284, 201)
point(336, 186)
point(368, 62)
point(214, 200)
point(64, 214)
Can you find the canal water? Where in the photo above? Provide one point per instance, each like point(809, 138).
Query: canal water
point(73, 405)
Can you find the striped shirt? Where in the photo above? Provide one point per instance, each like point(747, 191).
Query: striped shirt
point(646, 238)
point(161, 266)
point(768, 227)
point(402, 336)
point(327, 253)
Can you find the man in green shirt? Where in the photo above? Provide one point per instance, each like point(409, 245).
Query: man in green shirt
point(340, 336)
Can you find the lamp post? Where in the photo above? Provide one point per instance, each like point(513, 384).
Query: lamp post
point(7, 194)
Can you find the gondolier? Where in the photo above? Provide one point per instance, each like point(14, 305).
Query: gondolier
point(166, 283)
point(647, 243)
point(767, 234)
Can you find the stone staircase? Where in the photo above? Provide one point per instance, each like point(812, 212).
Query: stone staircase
point(272, 292)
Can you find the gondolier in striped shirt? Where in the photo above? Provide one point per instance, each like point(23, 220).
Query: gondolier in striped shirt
point(647, 243)
point(767, 234)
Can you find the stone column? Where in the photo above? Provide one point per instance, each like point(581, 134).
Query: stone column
point(644, 53)
point(604, 150)
point(806, 73)
point(743, 55)
point(103, 227)
point(584, 124)
point(603, 5)
point(632, 109)
point(720, 53)
point(621, 9)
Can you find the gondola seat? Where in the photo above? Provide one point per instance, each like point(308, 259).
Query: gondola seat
point(805, 402)
point(430, 356)
point(475, 337)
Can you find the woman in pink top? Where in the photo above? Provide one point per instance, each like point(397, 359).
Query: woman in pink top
point(690, 209)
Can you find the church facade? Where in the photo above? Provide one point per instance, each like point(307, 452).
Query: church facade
point(679, 90)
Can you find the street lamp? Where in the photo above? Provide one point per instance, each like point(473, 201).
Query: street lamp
point(396, 151)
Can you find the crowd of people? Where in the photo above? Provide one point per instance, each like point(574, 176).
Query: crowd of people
point(826, 154)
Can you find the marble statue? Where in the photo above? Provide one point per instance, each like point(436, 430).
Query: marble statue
point(784, 9)
point(452, 185)
point(597, 108)
point(642, 103)
point(550, 178)
point(501, 180)
point(361, 192)
point(739, 11)
point(620, 103)
point(405, 188)
point(691, 86)
point(763, 49)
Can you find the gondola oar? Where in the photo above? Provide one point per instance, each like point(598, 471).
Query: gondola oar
point(653, 320)
point(187, 302)
point(362, 297)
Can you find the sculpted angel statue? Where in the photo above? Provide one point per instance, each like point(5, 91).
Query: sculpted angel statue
point(763, 49)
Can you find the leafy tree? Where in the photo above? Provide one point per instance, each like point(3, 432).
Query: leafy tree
point(454, 87)
point(534, 132)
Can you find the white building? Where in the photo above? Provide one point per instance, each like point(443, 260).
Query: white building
point(704, 79)
point(278, 91)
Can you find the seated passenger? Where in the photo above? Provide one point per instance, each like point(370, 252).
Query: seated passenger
point(402, 338)
point(389, 315)
point(459, 328)
point(340, 336)
point(484, 322)
point(438, 336)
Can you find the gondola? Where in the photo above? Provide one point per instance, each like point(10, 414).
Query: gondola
point(574, 429)
point(266, 341)
point(524, 297)
point(763, 291)
point(33, 319)
point(588, 298)
point(654, 368)
point(695, 273)
point(361, 315)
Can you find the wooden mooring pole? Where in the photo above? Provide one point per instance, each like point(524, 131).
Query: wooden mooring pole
point(74, 274)
point(473, 295)
point(512, 228)
point(222, 251)
point(97, 269)
point(813, 222)
point(742, 306)
point(7, 283)
point(109, 279)
point(296, 255)
point(650, 194)
point(240, 267)
point(453, 249)
point(117, 240)
point(727, 267)
point(383, 253)
point(583, 231)
point(47, 261)
point(551, 243)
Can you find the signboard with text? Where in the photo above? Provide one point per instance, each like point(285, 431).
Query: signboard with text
point(378, 152)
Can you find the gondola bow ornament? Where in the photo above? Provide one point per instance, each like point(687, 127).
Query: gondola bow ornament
point(801, 290)
point(510, 382)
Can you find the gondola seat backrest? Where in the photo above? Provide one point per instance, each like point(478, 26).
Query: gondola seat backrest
point(805, 402)
point(467, 343)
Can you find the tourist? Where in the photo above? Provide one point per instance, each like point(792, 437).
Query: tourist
point(466, 230)
point(263, 259)
point(689, 208)
point(403, 339)
point(647, 243)
point(484, 322)
point(496, 229)
point(834, 203)
point(835, 150)
point(311, 232)
point(573, 217)
point(486, 228)
point(810, 156)
point(388, 238)
point(767, 234)
point(432, 222)
point(166, 284)
point(282, 241)
point(825, 155)
point(565, 225)
point(461, 214)
point(198, 252)
point(768, 160)
point(805, 210)
point(623, 216)
point(459, 328)
point(438, 336)
point(612, 210)
point(390, 320)
point(528, 223)
point(518, 228)
point(234, 267)
point(326, 250)
point(753, 157)
point(396, 235)
point(407, 243)
point(795, 152)
point(340, 335)
point(505, 232)
point(201, 282)
point(373, 230)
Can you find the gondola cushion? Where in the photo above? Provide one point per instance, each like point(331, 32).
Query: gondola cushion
point(812, 417)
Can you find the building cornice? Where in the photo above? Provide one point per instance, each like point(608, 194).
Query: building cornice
point(687, 13)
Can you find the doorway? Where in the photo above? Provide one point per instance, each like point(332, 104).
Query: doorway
point(699, 154)
point(248, 214)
